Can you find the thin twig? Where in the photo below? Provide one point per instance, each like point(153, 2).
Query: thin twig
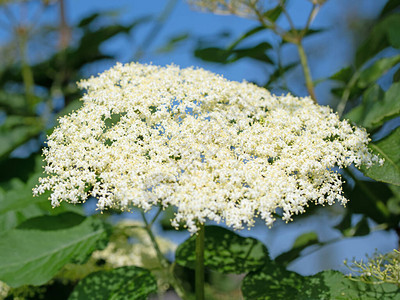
point(285, 12)
point(155, 217)
point(164, 263)
point(267, 23)
point(311, 17)
point(167, 267)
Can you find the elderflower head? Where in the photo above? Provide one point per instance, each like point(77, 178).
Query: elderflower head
point(215, 149)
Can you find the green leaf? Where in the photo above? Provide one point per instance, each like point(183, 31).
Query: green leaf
point(227, 56)
point(355, 115)
point(385, 110)
point(20, 197)
point(278, 284)
point(13, 218)
point(272, 282)
point(279, 72)
point(383, 35)
point(346, 228)
point(378, 68)
point(256, 52)
point(15, 131)
point(73, 106)
point(293, 34)
point(172, 43)
point(15, 104)
point(345, 223)
point(390, 6)
point(17, 203)
point(302, 242)
point(213, 54)
point(251, 32)
point(393, 203)
point(35, 251)
point(274, 13)
point(88, 20)
point(343, 75)
point(167, 215)
point(225, 252)
point(369, 199)
point(51, 223)
point(362, 227)
point(373, 95)
point(387, 148)
point(131, 283)
point(21, 168)
point(396, 76)
point(355, 92)
point(393, 33)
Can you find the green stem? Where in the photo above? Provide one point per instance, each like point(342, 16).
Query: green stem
point(306, 71)
point(199, 275)
point(346, 93)
point(167, 267)
point(27, 75)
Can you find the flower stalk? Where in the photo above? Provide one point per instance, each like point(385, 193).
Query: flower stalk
point(167, 267)
point(199, 272)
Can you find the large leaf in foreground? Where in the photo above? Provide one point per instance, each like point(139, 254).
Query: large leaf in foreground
point(16, 131)
point(33, 252)
point(387, 148)
point(277, 283)
point(17, 204)
point(131, 283)
point(20, 195)
point(224, 252)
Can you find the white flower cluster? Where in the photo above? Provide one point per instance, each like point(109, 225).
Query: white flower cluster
point(213, 148)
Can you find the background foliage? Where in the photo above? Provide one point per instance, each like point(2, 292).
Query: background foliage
point(39, 245)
